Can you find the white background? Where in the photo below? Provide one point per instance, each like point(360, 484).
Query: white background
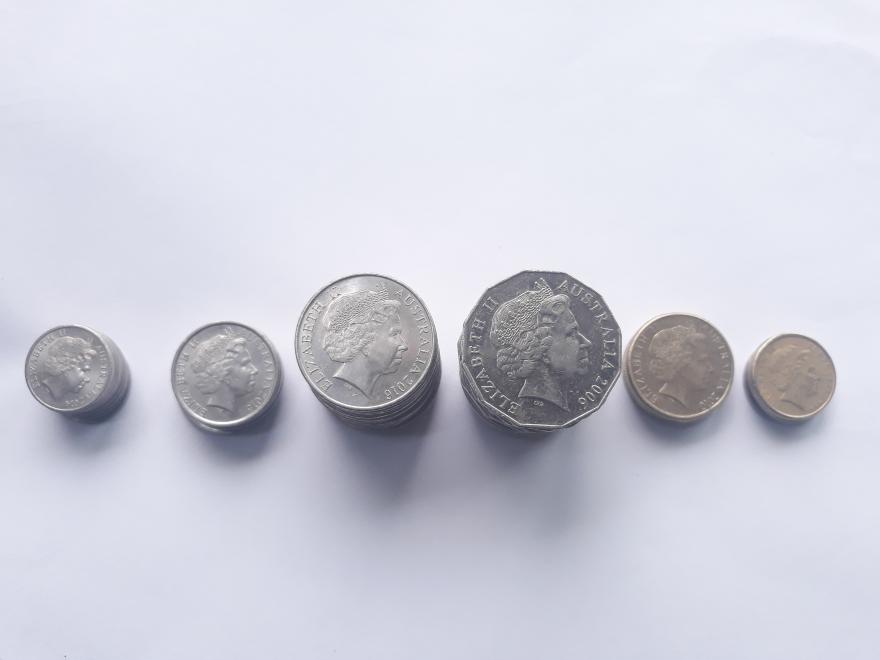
point(170, 164)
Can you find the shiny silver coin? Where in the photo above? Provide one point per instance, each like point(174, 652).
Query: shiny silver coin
point(77, 371)
point(678, 367)
point(540, 352)
point(791, 377)
point(367, 346)
point(225, 376)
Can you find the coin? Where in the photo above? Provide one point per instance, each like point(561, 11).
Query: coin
point(77, 371)
point(367, 347)
point(539, 351)
point(678, 367)
point(225, 376)
point(791, 377)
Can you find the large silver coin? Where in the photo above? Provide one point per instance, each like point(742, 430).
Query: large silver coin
point(367, 346)
point(791, 377)
point(76, 371)
point(540, 351)
point(678, 367)
point(225, 376)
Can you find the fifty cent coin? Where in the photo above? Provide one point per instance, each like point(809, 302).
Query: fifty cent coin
point(77, 371)
point(678, 367)
point(539, 351)
point(225, 376)
point(791, 377)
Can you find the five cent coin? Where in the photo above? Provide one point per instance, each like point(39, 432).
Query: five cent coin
point(77, 372)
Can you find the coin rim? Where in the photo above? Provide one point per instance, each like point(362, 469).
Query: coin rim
point(752, 384)
point(382, 406)
point(111, 359)
point(636, 396)
point(229, 424)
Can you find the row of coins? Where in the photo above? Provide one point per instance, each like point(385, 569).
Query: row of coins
point(539, 351)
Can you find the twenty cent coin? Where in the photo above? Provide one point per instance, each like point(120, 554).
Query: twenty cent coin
point(225, 376)
point(791, 377)
point(367, 347)
point(678, 367)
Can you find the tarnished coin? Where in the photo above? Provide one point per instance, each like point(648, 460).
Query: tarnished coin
point(678, 367)
point(77, 371)
point(225, 376)
point(540, 351)
point(367, 347)
point(791, 377)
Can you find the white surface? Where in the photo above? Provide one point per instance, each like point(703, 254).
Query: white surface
point(171, 164)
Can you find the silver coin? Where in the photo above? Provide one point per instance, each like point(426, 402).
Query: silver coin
point(678, 367)
point(225, 376)
point(791, 377)
point(367, 347)
point(540, 351)
point(76, 371)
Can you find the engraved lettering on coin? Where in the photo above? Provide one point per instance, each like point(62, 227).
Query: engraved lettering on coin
point(224, 371)
point(64, 370)
point(538, 339)
point(680, 359)
point(364, 333)
point(791, 376)
point(678, 367)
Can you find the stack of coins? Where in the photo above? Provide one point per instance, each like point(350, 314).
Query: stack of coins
point(539, 352)
point(678, 368)
point(78, 372)
point(791, 377)
point(367, 347)
point(226, 376)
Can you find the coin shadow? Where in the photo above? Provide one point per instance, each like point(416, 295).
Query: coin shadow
point(789, 432)
point(681, 434)
point(249, 443)
point(542, 471)
point(507, 446)
point(92, 436)
point(386, 457)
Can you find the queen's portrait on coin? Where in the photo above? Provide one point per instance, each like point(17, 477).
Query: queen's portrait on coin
point(63, 371)
point(679, 358)
point(793, 376)
point(538, 339)
point(365, 335)
point(223, 371)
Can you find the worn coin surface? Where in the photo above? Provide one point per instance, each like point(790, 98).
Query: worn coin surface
point(225, 375)
point(367, 347)
point(678, 367)
point(791, 377)
point(68, 370)
point(540, 351)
